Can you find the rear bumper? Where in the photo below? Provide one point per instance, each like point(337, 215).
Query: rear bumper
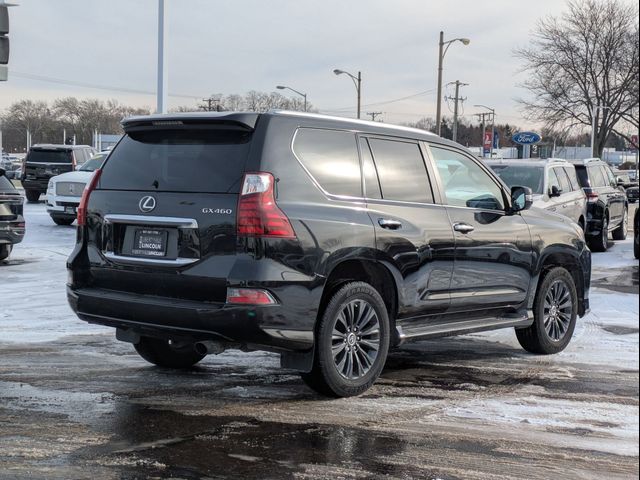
point(39, 184)
point(11, 233)
point(59, 205)
point(252, 327)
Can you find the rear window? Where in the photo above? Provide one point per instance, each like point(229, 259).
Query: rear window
point(209, 161)
point(49, 156)
point(521, 176)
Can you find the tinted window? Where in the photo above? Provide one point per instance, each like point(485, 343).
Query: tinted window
point(178, 160)
point(332, 159)
point(465, 183)
point(371, 184)
point(49, 156)
point(401, 170)
point(597, 176)
point(565, 185)
point(583, 176)
point(521, 176)
point(571, 173)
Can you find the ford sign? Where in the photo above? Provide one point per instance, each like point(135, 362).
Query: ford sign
point(526, 138)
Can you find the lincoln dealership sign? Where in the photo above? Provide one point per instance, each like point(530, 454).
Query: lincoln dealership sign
point(526, 138)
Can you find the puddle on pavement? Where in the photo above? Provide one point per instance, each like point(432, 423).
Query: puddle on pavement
point(626, 282)
point(620, 329)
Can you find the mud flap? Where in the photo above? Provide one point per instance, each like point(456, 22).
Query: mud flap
point(299, 361)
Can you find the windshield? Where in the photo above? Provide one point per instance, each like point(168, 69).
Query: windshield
point(94, 163)
point(521, 176)
point(49, 156)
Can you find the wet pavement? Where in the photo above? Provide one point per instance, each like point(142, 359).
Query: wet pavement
point(74, 403)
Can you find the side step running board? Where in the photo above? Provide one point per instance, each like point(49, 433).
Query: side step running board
point(517, 320)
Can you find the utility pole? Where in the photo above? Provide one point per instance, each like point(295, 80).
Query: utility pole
point(373, 115)
point(457, 99)
point(161, 94)
point(212, 104)
point(481, 117)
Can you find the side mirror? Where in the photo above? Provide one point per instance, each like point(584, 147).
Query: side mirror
point(521, 199)
point(555, 191)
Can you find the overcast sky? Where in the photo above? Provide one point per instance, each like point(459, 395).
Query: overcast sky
point(223, 47)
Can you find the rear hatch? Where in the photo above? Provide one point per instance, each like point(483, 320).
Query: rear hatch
point(46, 162)
point(163, 214)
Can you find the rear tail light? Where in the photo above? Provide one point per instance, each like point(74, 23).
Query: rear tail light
point(249, 296)
point(592, 197)
point(258, 214)
point(84, 201)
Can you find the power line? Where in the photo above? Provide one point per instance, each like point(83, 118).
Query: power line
point(385, 102)
point(42, 78)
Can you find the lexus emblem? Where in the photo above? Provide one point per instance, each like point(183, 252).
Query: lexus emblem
point(147, 204)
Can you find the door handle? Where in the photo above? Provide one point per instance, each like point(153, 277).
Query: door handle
point(389, 224)
point(463, 227)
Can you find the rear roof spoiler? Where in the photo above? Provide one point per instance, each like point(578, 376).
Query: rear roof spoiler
point(236, 120)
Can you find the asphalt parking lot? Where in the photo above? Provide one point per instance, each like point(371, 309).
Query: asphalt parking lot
point(74, 403)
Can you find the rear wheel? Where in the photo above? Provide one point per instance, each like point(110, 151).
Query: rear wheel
point(32, 196)
point(62, 220)
point(352, 341)
point(5, 250)
point(620, 233)
point(599, 243)
point(167, 353)
point(555, 311)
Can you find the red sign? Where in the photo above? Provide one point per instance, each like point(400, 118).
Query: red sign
point(486, 143)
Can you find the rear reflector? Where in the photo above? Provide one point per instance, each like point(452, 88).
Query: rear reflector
point(84, 201)
point(249, 296)
point(258, 214)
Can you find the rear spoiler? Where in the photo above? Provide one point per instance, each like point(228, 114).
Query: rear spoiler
point(228, 121)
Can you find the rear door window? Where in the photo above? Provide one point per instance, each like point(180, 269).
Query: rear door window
point(597, 176)
point(206, 160)
point(331, 157)
point(565, 185)
point(49, 156)
point(401, 171)
point(369, 172)
point(573, 178)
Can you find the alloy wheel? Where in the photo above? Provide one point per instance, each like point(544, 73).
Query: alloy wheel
point(355, 339)
point(558, 310)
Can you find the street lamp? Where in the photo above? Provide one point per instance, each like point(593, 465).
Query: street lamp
point(493, 119)
point(593, 126)
point(357, 81)
point(441, 53)
point(303, 95)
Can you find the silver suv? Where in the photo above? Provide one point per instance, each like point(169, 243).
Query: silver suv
point(554, 184)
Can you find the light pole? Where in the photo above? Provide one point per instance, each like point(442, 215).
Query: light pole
point(442, 51)
point(161, 99)
point(493, 122)
point(303, 95)
point(357, 81)
point(593, 126)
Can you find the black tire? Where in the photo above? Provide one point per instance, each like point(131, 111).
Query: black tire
point(620, 233)
point(330, 379)
point(636, 245)
point(162, 353)
point(62, 220)
point(600, 242)
point(5, 250)
point(33, 196)
point(548, 335)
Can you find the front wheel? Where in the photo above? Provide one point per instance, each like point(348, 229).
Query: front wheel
point(555, 311)
point(620, 233)
point(352, 341)
point(167, 353)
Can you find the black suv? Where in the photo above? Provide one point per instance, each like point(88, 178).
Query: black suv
point(607, 204)
point(327, 240)
point(12, 225)
point(45, 161)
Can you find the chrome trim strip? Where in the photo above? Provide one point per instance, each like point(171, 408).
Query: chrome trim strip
point(149, 261)
point(151, 220)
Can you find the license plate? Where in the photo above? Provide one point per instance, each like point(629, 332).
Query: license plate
point(70, 210)
point(150, 243)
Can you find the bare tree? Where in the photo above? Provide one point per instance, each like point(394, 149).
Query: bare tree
point(585, 59)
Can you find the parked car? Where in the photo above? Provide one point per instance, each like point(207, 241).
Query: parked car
point(636, 234)
point(64, 191)
point(633, 193)
point(324, 239)
point(607, 205)
point(12, 226)
point(45, 161)
point(554, 184)
point(624, 180)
